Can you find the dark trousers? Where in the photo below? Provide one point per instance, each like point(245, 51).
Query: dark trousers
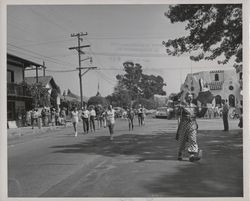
point(92, 123)
point(111, 128)
point(85, 122)
point(140, 119)
point(33, 120)
point(225, 122)
point(131, 123)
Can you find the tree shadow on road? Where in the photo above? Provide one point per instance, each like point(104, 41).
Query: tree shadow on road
point(218, 174)
point(159, 146)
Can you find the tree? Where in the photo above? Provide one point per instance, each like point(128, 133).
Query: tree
point(130, 80)
point(152, 85)
point(137, 84)
point(98, 100)
point(40, 94)
point(215, 31)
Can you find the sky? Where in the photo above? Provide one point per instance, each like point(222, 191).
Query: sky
point(115, 33)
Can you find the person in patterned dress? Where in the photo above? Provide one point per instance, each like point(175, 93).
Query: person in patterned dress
point(187, 129)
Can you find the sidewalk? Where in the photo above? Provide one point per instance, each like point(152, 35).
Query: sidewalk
point(26, 131)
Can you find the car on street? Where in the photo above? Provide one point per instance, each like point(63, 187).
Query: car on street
point(163, 112)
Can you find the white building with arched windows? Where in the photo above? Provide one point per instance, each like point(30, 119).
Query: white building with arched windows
point(223, 84)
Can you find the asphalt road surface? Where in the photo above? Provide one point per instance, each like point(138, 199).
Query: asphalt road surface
point(141, 163)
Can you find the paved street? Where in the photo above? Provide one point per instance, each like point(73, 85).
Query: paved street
point(141, 163)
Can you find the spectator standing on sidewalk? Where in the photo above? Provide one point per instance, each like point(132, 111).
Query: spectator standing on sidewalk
point(92, 118)
point(75, 119)
point(187, 129)
point(225, 110)
point(110, 115)
point(34, 117)
point(85, 119)
point(53, 116)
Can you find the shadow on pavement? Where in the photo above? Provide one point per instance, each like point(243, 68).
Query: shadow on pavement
point(144, 147)
point(218, 174)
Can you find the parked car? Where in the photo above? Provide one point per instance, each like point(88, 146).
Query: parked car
point(164, 112)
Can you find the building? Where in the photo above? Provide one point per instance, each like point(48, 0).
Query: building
point(223, 84)
point(19, 98)
point(48, 82)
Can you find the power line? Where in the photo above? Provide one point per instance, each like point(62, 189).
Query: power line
point(53, 59)
point(61, 71)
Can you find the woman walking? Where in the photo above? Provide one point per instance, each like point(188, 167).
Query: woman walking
point(75, 119)
point(130, 116)
point(110, 115)
point(187, 129)
point(92, 114)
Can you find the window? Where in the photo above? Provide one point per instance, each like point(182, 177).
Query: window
point(10, 76)
point(192, 88)
point(216, 77)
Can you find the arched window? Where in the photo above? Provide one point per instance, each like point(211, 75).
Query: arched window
point(216, 77)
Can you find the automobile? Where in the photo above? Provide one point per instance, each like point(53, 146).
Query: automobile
point(118, 112)
point(164, 112)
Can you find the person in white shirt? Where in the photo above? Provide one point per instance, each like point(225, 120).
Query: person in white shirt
point(92, 114)
point(110, 116)
point(75, 119)
point(85, 119)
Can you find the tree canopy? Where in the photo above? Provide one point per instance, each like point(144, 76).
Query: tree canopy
point(138, 84)
point(215, 32)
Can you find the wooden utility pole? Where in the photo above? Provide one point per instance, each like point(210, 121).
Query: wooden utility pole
point(80, 52)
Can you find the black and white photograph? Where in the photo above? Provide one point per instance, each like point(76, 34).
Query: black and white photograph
point(125, 100)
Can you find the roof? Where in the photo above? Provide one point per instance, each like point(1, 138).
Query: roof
point(44, 80)
point(18, 61)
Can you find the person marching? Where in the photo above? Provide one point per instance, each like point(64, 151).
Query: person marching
point(140, 115)
point(75, 119)
point(110, 116)
point(92, 114)
point(130, 116)
point(225, 110)
point(187, 129)
point(85, 119)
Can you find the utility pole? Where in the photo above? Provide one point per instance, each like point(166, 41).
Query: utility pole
point(44, 69)
point(80, 52)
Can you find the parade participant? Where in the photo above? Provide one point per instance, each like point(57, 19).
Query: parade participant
point(140, 115)
point(110, 116)
point(130, 116)
point(143, 115)
point(104, 117)
point(63, 116)
point(85, 119)
point(75, 119)
point(187, 129)
point(92, 114)
point(225, 110)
